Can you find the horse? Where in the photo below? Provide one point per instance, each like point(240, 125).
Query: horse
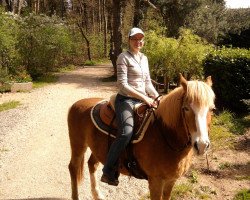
point(179, 130)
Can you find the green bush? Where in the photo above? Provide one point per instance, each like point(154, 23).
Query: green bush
point(169, 57)
point(8, 42)
point(230, 71)
point(97, 46)
point(44, 42)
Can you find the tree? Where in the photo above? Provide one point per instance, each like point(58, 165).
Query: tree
point(116, 35)
point(174, 13)
point(209, 21)
point(238, 34)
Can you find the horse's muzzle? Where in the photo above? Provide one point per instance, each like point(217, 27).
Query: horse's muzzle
point(201, 147)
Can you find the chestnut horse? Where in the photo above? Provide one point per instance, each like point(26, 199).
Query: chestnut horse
point(180, 128)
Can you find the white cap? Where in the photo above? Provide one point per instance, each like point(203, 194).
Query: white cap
point(135, 31)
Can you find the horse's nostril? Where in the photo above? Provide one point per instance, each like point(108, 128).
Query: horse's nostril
point(196, 146)
point(208, 145)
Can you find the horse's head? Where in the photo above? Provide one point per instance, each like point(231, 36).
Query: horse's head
point(198, 103)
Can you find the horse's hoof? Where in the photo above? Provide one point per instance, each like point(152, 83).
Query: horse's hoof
point(98, 195)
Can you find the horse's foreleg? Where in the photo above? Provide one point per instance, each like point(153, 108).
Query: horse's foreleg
point(76, 171)
point(168, 186)
point(93, 164)
point(155, 188)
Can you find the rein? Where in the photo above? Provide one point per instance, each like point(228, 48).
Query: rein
point(148, 112)
point(188, 143)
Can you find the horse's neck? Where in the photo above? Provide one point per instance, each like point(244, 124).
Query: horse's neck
point(169, 147)
point(174, 137)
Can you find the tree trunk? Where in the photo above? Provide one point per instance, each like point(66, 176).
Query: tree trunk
point(104, 28)
point(20, 7)
point(9, 5)
point(116, 29)
point(166, 84)
point(15, 6)
point(137, 13)
point(86, 39)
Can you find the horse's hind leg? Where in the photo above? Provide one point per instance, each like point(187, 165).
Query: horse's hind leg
point(93, 164)
point(76, 170)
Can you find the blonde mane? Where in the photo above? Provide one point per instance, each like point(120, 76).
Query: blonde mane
point(198, 92)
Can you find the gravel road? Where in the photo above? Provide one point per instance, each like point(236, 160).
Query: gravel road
point(34, 144)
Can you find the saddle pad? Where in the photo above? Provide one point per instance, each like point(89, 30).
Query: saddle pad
point(95, 116)
point(104, 128)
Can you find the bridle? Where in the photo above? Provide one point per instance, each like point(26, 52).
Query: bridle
point(189, 142)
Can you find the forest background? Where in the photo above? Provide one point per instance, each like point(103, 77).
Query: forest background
point(193, 37)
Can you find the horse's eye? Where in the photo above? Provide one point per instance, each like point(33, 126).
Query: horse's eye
point(185, 108)
point(212, 109)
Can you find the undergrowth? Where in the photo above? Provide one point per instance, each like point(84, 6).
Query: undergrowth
point(226, 127)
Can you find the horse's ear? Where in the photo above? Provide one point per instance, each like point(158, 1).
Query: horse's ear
point(209, 81)
point(183, 82)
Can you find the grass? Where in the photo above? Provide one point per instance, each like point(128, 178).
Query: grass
point(67, 68)
point(51, 78)
point(9, 105)
point(240, 178)
point(180, 190)
point(90, 63)
point(205, 192)
point(95, 62)
point(46, 80)
point(226, 165)
point(193, 176)
point(244, 194)
point(225, 127)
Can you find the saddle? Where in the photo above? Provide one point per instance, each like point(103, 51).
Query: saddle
point(142, 115)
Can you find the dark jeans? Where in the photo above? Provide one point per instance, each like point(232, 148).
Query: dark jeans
point(124, 109)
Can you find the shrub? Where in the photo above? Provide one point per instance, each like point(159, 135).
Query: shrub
point(230, 70)
point(169, 57)
point(8, 53)
point(44, 42)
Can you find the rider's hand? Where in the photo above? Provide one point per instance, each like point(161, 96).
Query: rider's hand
point(150, 102)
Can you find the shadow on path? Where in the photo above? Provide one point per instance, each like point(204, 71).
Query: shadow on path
point(90, 76)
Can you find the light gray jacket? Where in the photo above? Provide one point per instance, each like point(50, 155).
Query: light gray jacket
point(134, 74)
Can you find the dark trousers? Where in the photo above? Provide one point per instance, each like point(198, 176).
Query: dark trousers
point(124, 109)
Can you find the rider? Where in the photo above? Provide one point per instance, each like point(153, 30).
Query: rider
point(134, 84)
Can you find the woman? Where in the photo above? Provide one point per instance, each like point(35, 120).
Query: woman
point(134, 84)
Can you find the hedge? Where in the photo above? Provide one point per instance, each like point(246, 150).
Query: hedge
point(230, 71)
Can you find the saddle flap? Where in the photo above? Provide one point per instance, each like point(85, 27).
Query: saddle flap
point(107, 114)
point(140, 109)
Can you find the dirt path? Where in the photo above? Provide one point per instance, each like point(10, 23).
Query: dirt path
point(34, 145)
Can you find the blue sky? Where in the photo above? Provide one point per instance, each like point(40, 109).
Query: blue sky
point(238, 3)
